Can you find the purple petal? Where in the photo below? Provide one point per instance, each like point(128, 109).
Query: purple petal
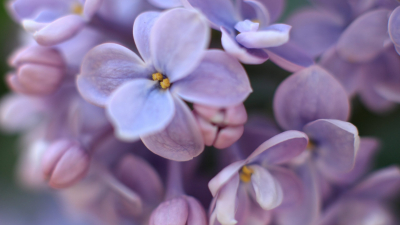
point(308, 95)
point(273, 36)
point(175, 211)
point(220, 80)
point(382, 184)
point(314, 30)
point(247, 56)
point(291, 185)
point(176, 55)
point(225, 205)
point(261, 11)
point(341, 7)
point(367, 150)
point(337, 143)
point(60, 30)
point(364, 39)
point(105, 68)
point(269, 193)
point(218, 12)
point(29, 9)
point(280, 148)
point(91, 7)
point(181, 140)
point(275, 8)
point(394, 26)
point(289, 57)
point(141, 33)
point(347, 73)
point(139, 108)
point(32, 26)
point(224, 176)
point(166, 4)
point(246, 26)
point(197, 215)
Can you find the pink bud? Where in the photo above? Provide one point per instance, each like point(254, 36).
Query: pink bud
point(65, 163)
point(40, 71)
point(221, 127)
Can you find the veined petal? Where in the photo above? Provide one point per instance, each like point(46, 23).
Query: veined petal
point(247, 56)
point(308, 95)
point(290, 57)
point(220, 80)
point(59, 30)
point(105, 68)
point(281, 148)
point(141, 33)
point(337, 144)
point(224, 176)
point(181, 140)
point(269, 193)
point(218, 12)
point(139, 108)
point(176, 55)
point(365, 38)
point(226, 202)
point(273, 36)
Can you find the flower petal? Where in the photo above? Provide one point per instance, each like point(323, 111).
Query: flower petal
point(175, 211)
point(314, 30)
point(394, 26)
point(281, 148)
point(292, 186)
point(309, 95)
point(337, 143)
point(269, 193)
point(226, 202)
point(218, 12)
point(275, 8)
point(289, 57)
point(139, 108)
point(220, 80)
point(197, 215)
point(141, 33)
point(273, 36)
point(261, 11)
point(365, 38)
point(176, 55)
point(91, 7)
point(224, 176)
point(59, 30)
point(105, 68)
point(181, 140)
point(166, 4)
point(247, 56)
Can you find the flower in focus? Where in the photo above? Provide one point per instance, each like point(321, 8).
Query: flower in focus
point(144, 98)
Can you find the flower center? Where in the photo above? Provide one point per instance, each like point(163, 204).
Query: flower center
point(164, 82)
point(245, 174)
point(310, 145)
point(77, 8)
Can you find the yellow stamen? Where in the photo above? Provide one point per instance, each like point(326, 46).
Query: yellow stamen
point(310, 145)
point(165, 83)
point(245, 174)
point(158, 76)
point(77, 9)
point(255, 21)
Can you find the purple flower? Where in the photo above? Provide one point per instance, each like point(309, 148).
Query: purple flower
point(364, 203)
point(143, 98)
point(260, 176)
point(247, 32)
point(53, 21)
point(221, 127)
point(394, 28)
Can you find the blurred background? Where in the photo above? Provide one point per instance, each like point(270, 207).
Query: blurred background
point(265, 79)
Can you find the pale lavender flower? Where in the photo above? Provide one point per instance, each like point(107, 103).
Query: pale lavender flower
point(143, 98)
point(248, 32)
point(271, 184)
point(54, 21)
point(221, 127)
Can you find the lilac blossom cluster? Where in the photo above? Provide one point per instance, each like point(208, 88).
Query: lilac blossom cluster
point(118, 124)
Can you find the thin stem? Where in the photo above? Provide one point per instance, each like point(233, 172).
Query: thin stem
point(174, 182)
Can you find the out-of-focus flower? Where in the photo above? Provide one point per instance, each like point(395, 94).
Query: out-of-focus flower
point(231, 187)
point(143, 98)
point(365, 203)
point(248, 32)
point(394, 28)
point(54, 21)
point(221, 127)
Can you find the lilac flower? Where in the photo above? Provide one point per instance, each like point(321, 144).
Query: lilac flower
point(268, 180)
point(56, 21)
point(220, 127)
point(143, 98)
point(247, 32)
point(394, 28)
point(364, 203)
